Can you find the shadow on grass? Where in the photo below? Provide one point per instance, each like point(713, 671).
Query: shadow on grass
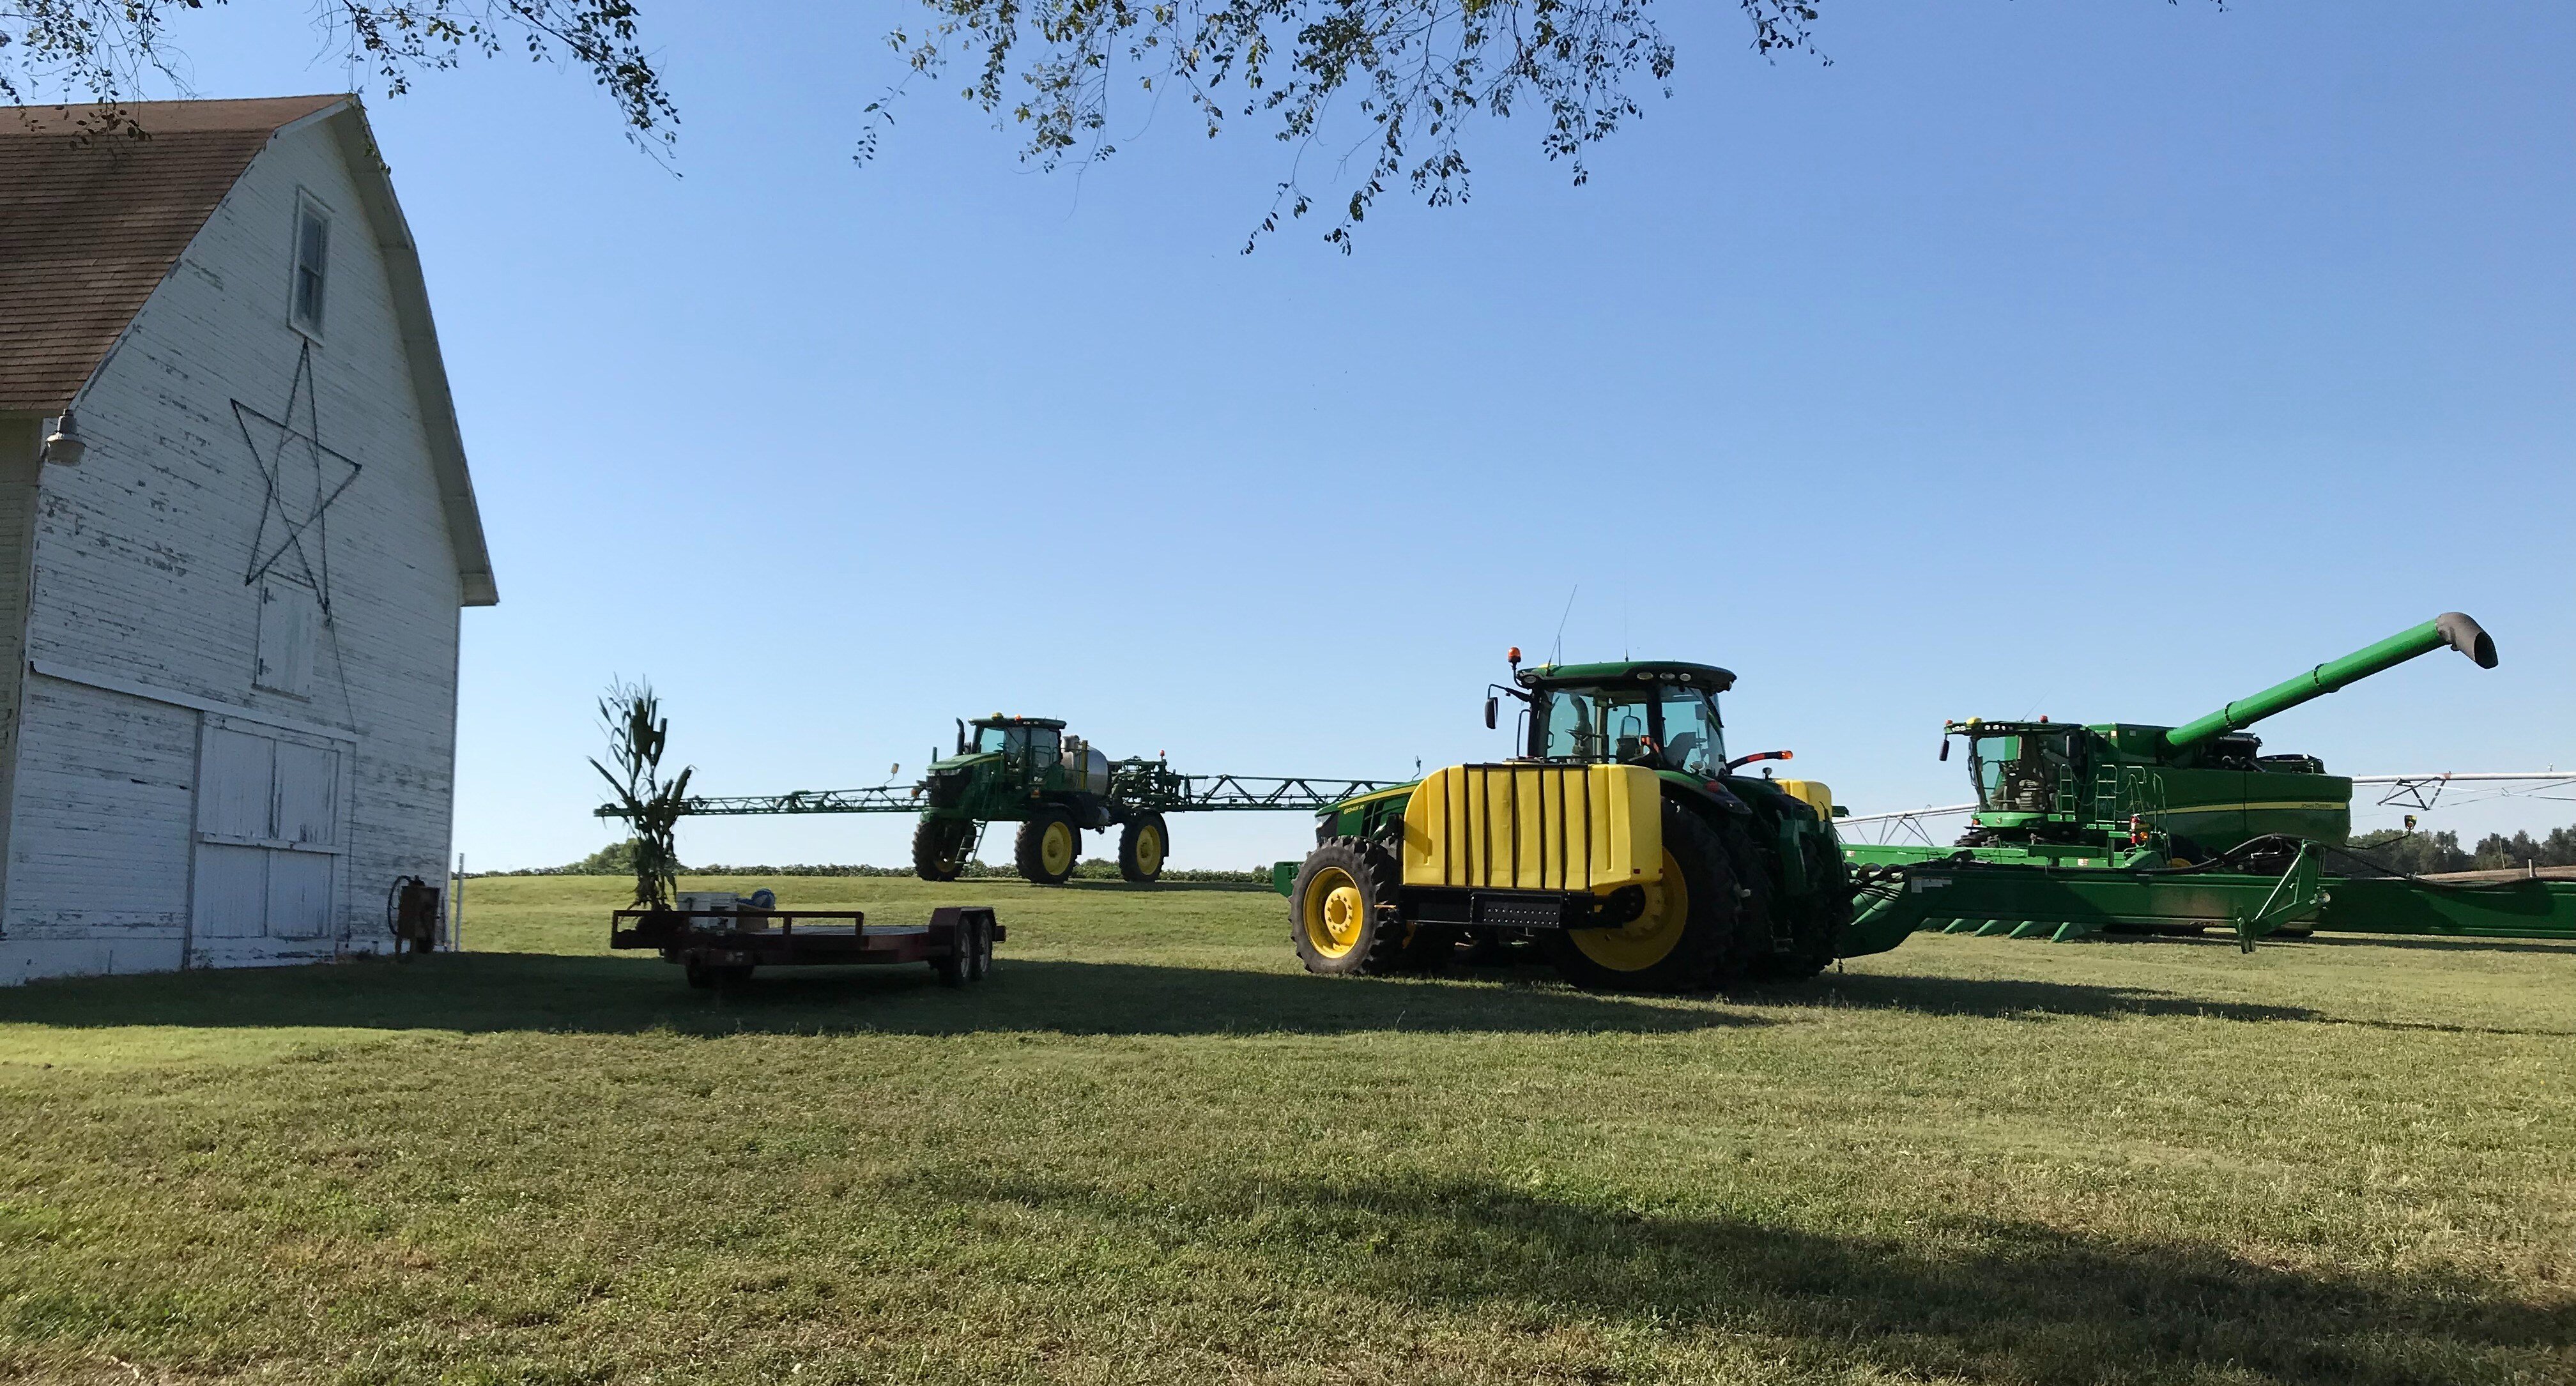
point(1972, 1300)
point(1168, 887)
point(2006, 996)
point(553, 992)
point(2443, 945)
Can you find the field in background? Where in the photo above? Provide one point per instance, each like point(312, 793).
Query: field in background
point(1150, 1150)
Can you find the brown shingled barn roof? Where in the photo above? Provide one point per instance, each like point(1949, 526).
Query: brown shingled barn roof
point(89, 226)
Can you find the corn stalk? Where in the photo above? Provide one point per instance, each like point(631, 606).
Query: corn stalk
point(632, 716)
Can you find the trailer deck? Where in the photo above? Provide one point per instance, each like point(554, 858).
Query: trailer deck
point(719, 947)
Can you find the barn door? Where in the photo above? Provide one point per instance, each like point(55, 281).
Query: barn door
point(268, 837)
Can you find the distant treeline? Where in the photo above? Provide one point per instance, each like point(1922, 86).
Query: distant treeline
point(618, 859)
point(2428, 852)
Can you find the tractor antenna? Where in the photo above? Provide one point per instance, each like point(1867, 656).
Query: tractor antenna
point(1558, 657)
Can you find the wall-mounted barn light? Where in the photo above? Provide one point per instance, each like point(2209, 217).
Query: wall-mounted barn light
point(63, 444)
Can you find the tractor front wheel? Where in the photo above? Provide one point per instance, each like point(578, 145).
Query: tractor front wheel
point(1341, 911)
point(1140, 850)
point(1692, 934)
point(939, 847)
point(1048, 847)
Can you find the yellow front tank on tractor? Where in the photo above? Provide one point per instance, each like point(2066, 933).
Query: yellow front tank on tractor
point(1623, 843)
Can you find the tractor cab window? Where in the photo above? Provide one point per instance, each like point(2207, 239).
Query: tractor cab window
point(1032, 746)
point(1595, 724)
point(2017, 773)
point(1693, 741)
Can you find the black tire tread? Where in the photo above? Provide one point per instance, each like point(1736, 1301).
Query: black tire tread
point(1128, 869)
point(1028, 851)
point(1384, 950)
point(928, 837)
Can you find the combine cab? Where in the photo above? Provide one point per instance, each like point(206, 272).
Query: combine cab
point(1623, 840)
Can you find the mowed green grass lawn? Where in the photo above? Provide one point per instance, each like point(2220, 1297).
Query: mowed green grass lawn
point(1152, 1150)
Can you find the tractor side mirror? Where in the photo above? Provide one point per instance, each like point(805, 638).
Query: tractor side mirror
point(1945, 748)
point(1493, 705)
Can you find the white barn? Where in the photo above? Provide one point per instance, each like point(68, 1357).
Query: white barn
point(231, 585)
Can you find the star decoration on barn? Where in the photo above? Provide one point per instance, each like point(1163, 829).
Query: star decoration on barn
point(304, 477)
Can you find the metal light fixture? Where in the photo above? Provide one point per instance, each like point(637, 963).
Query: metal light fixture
point(64, 446)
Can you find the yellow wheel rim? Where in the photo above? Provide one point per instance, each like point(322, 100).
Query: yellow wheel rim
point(1055, 850)
point(1335, 912)
point(1650, 937)
point(1149, 851)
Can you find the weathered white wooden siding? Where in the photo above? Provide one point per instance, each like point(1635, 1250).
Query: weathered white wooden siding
point(140, 560)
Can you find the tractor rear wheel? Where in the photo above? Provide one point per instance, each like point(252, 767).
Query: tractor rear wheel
point(1341, 911)
point(1140, 850)
point(1817, 923)
point(1048, 847)
point(1693, 934)
point(939, 848)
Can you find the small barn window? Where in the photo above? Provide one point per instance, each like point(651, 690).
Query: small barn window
point(290, 621)
point(312, 259)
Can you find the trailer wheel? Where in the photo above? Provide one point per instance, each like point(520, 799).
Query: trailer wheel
point(1140, 850)
point(1048, 845)
point(1691, 935)
point(1341, 911)
point(939, 848)
point(979, 957)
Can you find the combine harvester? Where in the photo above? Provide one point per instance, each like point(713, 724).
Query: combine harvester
point(2122, 826)
point(1027, 770)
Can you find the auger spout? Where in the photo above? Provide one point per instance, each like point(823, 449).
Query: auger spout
point(2451, 628)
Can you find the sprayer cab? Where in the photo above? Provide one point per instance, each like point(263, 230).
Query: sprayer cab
point(2201, 788)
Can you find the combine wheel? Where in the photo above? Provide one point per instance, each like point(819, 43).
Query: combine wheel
point(939, 848)
point(1140, 850)
point(1048, 846)
point(1341, 912)
point(1696, 933)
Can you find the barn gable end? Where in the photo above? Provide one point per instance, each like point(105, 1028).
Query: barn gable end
point(233, 725)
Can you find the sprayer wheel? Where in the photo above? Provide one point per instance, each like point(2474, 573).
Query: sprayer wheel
point(939, 848)
point(1049, 846)
point(1141, 847)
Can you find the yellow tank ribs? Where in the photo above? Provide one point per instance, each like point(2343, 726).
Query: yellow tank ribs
point(1544, 846)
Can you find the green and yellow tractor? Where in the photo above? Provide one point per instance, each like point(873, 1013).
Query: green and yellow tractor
point(1026, 770)
point(1622, 840)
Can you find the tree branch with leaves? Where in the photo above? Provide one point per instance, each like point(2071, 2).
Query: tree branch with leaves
point(1413, 77)
point(109, 53)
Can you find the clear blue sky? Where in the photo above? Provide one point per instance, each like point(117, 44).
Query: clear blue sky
point(2103, 361)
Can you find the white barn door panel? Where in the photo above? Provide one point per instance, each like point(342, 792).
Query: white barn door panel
point(268, 841)
point(238, 785)
point(232, 892)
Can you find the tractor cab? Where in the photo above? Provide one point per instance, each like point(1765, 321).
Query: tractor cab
point(1028, 746)
point(1662, 716)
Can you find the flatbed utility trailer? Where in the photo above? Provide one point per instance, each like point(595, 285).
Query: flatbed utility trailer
point(722, 946)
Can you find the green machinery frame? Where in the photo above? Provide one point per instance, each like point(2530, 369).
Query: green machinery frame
point(1029, 771)
point(2119, 826)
